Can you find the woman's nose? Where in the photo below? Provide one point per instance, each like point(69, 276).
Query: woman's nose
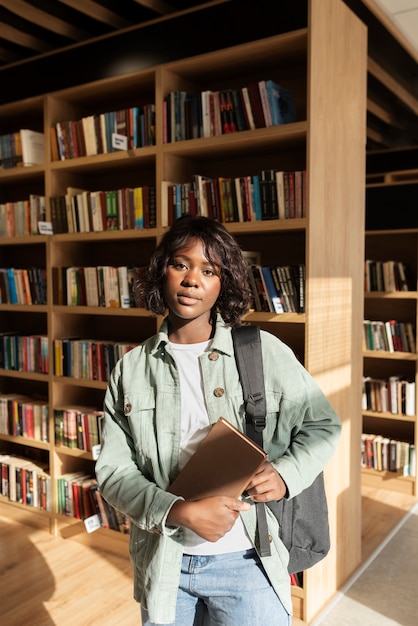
point(191, 279)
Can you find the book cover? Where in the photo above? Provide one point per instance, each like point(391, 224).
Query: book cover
point(275, 297)
point(222, 465)
point(33, 147)
point(256, 105)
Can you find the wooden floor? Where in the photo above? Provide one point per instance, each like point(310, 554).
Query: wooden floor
point(55, 581)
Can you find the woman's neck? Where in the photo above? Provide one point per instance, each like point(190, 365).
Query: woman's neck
point(186, 331)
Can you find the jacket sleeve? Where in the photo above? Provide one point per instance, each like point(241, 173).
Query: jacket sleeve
point(120, 478)
point(302, 429)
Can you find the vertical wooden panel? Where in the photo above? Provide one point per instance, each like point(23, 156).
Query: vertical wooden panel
point(336, 165)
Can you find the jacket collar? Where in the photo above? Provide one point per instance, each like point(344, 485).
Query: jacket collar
point(222, 340)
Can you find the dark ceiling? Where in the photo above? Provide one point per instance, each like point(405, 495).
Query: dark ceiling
point(29, 28)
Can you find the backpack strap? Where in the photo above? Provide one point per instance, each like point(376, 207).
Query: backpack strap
point(247, 348)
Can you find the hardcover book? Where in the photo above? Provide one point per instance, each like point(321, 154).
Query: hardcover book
point(222, 465)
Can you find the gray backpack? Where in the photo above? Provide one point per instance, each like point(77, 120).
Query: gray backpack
point(303, 520)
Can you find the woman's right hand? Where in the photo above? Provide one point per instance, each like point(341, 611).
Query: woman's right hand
point(211, 518)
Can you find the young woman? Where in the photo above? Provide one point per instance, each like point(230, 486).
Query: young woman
point(195, 562)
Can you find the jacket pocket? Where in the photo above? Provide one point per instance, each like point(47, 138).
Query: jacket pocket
point(139, 410)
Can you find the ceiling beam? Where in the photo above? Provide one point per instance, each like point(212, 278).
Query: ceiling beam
point(158, 6)
point(393, 85)
point(22, 39)
point(96, 11)
point(379, 111)
point(45, 20)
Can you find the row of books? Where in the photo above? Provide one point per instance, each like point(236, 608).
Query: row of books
point(385, 276)
point(23, 286)
point(22, 148)
point(393, 395)
point(389, 336)
point(104, 286)
point(210, 113)
point(82, 211)
point(271, 194)
point(25, 481)
point(278, 289)
point(77, 427)
point(388, 455)
point(101, 133)
point(87, 359)
point(21, 218)
point(23, 416)
point(24, 353)
point(78, 496)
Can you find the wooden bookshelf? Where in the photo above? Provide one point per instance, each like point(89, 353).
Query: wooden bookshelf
point(325, 66)
point(392, 234)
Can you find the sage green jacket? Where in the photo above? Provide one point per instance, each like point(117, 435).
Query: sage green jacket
point(141, 444)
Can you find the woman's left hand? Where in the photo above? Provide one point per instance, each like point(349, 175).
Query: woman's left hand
point(266, 485)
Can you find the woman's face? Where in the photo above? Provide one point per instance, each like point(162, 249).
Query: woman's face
point(192, 283)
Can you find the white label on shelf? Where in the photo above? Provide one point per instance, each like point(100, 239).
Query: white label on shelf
point(92, 523)
point(95, 451)
point(125, 302)
point(45, 228)
point(119, 142)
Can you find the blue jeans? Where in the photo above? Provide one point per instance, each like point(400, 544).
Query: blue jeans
point(226, 590)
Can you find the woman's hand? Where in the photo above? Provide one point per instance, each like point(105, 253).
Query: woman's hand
point(266, 485)
point(210, 517)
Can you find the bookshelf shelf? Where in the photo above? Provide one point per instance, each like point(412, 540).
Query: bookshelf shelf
point(24, 375)
point(391, 416)
point(110, 311)
point(283, 318)
point(111, 160)
point(71, 452)
point(312, 63)
point(80, 382)
point(26, 441)
point(399, 295)
point(277, 137)
point(385, 241)
point(392, 356)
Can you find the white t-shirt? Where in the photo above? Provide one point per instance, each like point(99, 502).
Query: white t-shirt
point(194, 427)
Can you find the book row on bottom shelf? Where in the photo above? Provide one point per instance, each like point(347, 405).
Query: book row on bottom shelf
point(385, 454)
point(25, 481)
point(77, 495)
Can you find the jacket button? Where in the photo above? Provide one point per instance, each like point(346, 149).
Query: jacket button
point(213, 356)
point(219, 392)
point(127, 409)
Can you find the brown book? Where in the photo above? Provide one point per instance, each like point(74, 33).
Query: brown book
point(222, 465)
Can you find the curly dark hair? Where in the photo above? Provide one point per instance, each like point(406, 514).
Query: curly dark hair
point(221, 249)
